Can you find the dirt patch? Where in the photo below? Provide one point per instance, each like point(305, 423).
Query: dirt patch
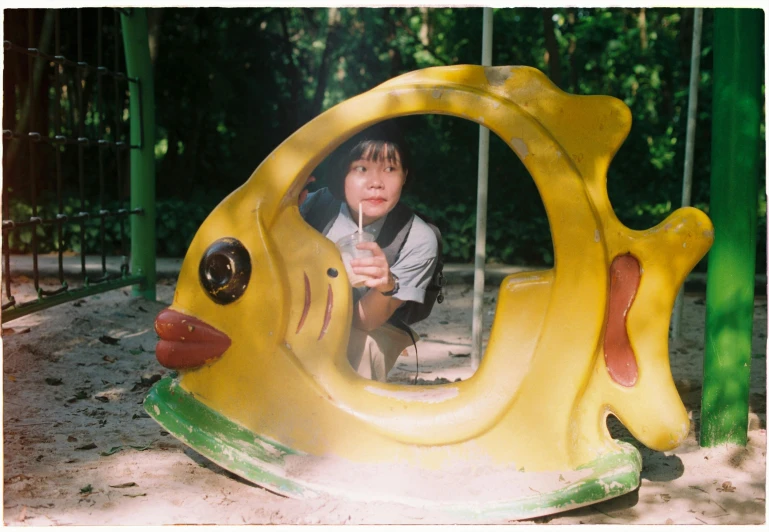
point(79, 449)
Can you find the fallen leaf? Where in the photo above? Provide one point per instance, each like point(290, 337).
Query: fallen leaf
point(146, 382)
point(125, 485)
point(112, 451)
point(108, 358)
point(53, 381)
point(79, 395)
point(727, 487)
point(71, 438)
point(11, 378)
point(137, 351)
point(86, 447)
point(141, 447)
point(143, 310)
point(665, 497)
point(139, 416)
point(108, 340)
point(134, 495)
point(86, 489)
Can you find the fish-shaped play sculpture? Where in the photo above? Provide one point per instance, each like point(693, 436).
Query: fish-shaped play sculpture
point(259, 325)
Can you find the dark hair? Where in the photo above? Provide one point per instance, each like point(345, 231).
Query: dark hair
point(381, 141)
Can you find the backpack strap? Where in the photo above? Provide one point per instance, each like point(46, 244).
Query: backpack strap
point(394, 231)
point(321, 209)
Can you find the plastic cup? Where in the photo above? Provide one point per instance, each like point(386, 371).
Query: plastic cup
point(347, 247)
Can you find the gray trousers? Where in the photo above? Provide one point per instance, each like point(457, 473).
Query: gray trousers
point(373, 353)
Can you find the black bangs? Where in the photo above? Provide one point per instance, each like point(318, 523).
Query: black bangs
point(376, 150)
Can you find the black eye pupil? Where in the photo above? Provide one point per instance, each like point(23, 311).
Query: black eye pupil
point(225, 270)
point(219, 270)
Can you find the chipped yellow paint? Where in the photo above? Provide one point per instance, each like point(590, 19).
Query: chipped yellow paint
point(542, 393)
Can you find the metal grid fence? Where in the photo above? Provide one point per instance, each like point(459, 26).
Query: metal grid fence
point(66, 137)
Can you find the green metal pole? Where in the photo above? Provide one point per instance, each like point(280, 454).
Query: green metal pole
point(737, 76)
point(142, 107)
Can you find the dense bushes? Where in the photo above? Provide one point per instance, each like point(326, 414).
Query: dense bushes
point(177, 222)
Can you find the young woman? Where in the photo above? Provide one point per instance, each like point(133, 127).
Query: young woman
point(369, 171)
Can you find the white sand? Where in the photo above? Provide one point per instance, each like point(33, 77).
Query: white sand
point(55, 472)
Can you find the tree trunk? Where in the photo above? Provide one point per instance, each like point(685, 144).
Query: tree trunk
point(552, 58)
point(170, 160)
point(34, 92)
point(394, 53)
point(154, 20)
point(573, 79)
point(642, 28)
point(294, 80)
point(424, 29)
point(322, 72)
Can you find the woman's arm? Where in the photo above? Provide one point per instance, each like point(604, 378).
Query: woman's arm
point(373, 310)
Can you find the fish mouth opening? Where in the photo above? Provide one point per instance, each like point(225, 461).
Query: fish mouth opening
point(187, 342)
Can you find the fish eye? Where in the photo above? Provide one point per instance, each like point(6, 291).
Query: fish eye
point(225, 270)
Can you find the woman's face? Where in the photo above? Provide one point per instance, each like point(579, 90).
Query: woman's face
point(375, 186)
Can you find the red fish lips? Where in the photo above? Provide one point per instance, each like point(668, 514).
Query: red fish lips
point(187, 342)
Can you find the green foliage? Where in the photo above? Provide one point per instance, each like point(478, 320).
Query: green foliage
point(231, 84)
point(73, 234)
point(236, 82)
point(176, 224)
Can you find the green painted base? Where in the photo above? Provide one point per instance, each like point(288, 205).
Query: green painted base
point(475, 493)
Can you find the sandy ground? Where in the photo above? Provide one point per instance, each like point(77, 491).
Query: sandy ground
point(79, 450)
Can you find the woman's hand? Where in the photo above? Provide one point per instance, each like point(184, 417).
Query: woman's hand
point(304, 192)
point(373, 309)
point(375, 267)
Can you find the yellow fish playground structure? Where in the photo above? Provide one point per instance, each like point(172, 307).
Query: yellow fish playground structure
point(264, 388)
point(258, 329)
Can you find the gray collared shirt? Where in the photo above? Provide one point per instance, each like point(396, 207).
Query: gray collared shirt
point(416, 262)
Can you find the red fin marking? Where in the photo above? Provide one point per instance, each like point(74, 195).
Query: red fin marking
point(307, 303)
point(620, 359)
point(329, 306)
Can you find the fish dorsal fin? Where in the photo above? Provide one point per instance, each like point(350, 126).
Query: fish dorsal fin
point(589, 128)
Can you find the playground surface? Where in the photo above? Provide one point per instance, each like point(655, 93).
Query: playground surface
point(80, 450)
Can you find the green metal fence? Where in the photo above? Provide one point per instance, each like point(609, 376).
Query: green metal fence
point(75, 123)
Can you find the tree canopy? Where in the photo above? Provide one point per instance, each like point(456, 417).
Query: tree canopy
point(231, 84)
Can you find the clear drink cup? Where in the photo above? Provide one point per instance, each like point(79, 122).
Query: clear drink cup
point(347, 247)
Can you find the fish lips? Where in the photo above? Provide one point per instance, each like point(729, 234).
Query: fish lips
point(187, 342)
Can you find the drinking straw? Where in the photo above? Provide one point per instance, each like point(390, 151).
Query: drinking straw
point(360, 221)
